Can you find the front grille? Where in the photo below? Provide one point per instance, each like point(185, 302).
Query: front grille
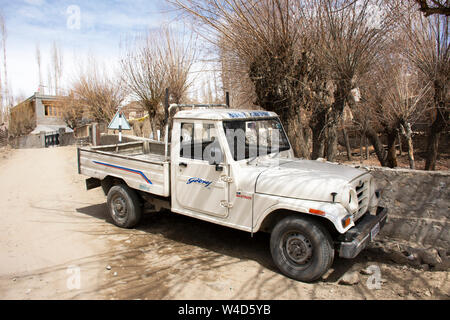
point(363, 191)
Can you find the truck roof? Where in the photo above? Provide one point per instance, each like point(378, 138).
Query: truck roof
point(223, 114)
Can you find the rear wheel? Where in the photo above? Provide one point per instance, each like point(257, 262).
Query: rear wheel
point(124, 206)
point(301, 248)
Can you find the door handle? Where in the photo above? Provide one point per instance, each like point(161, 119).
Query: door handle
point(183, 164)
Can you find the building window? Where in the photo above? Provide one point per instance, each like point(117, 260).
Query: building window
point(52, 111)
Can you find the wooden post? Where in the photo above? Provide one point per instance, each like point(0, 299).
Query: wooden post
point(120, 126)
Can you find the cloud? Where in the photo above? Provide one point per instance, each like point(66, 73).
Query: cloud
point(35, 2)
point(103, 24)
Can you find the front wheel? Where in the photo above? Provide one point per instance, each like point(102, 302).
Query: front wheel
point(124, 206)
point(301, 248)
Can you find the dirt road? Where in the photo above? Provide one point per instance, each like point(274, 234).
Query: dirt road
point(57, 242)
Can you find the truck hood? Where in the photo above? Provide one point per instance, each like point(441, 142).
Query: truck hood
point(306, 179)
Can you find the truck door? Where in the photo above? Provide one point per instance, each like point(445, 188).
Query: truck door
point(200, 170)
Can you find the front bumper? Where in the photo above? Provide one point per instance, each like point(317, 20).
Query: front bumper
point(358, 237)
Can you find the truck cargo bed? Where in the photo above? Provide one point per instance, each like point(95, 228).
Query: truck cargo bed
point(141, 164)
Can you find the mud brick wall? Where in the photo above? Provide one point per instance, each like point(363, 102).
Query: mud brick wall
point(418, 203)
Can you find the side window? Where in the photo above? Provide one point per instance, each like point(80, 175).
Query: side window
point(197, 140)
point(186, 140)
point(210, 142)
point(208, 134)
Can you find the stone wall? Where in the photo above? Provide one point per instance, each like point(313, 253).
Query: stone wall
point(67, 139)
point(28, 142)
point(38, 140)
point(418, 203)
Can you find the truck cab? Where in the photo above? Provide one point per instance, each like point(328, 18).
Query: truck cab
point(236, 168)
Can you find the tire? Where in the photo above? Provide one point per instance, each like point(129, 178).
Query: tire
point(301, 248)
point(124, 206)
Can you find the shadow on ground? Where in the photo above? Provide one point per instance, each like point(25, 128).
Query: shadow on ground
point(204, 246)
point(223, 240)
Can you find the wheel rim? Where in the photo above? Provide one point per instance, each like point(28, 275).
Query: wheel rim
point(297, 248)
point(119, 208)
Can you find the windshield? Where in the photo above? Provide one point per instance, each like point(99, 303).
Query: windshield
point(249, 139)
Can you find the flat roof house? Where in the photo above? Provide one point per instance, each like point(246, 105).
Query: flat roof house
point(38, 113)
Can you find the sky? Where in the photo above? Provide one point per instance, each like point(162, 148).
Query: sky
point(80, 28)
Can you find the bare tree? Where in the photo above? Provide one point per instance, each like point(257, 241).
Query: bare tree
point(2, 108)
point(49, 79)
point(38, 61)
point(366, 114)
point(143, 73)
point(350, 38)
point(177, 54)
point(430, 7)
point(57, 65)
point(73, 109)
point(5, 70)
point(100, 93)
point(234, 77)
point(399, 103)
point(428, 49)
point(156, 61)
point(403, 102)
point(263, 38)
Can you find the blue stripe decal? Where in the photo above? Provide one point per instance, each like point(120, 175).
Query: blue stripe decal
point(125, 169)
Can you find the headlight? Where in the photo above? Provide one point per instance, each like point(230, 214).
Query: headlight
point(350, 199)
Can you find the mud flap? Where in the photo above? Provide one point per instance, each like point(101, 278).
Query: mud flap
point(93, 183)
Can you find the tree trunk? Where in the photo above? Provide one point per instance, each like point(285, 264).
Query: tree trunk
point(439, 124)
point(377, 145)
point(332, 143)
point(317, 125)
point(366, 145)
point(153, 128)
point(432, 149)
point(391, 157)
point(361, 138)
point(407, 133)
point(302, 144)
point(307, 133)
point(347, 144)
point(411, 153)
point(337, 108)
point(318, 146)
point(400, 151)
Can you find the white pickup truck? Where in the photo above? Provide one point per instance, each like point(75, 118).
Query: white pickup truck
point(236, 168)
